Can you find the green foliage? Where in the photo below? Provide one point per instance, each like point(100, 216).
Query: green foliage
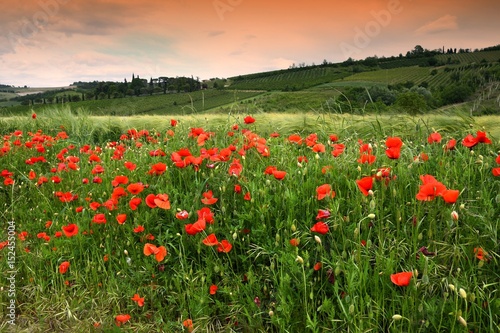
point(411, 102)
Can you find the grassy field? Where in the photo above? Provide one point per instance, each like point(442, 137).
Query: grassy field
point(249, 223)
point(183, 103)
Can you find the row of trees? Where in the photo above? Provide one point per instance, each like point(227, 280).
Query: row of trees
point(109, 89)
point(138, 86)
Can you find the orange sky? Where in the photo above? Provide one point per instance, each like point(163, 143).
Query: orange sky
point(57, 42)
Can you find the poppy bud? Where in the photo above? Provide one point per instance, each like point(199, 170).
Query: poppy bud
point(370, 193)
point(372, 202)
point(294, 228)
point(462, 293)
point(317, 239)
point(452, 287)
point(125, 252)
point(454, 216)
point(235, 235)
point(299, 260)
point(462, 206)
point(371, 216)
point(397, 317)
point(356, 232)
point(462, 321)
point(271, 313)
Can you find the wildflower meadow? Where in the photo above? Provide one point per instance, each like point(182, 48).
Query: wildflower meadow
point(238, 227)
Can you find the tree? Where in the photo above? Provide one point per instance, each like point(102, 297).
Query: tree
point(411, 102)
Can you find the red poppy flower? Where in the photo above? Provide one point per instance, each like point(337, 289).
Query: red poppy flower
point(294, 242)
point(237, 188)
point(208, 198)
point(393, 153)
point(249, 120)
point(213, 289)
point(450, 145)
point(33, 116)
point(367, 158)
point(138, 229)
point(481, 137)
point(495, 172)
point(365, 184)
point(3, 244)
point(235, 168)
point(430, 188)
point(450, 196)
point(134, 203)
point(270, 169)
point(302, 159)
point(210, 240)
point(469, 141)
point(338, 149)
point(206, 214)
point(295, 138)
point(434, 138)
point(323, 214)
point(63, 267)
point(97, 170)
point(481, 254)
point(311, 139)
point(247, 196)
point(182, 215)
point(129, 165)
point(188, 324)
point(139, 300)
point(119, 180)
point(497, 160)
point(279, 175)
point(135, 188)
point(94, 205)
point(121, 218)
point(401, 279)
point(159, 252)
point(173, 122)
point(320, 227)
point(121, 319)
point(224, 246)
point(324, 191)
point(70, 230)
point(317, 266)
point(157, 169)
point(333, 137)
point(194, 228)
point(319, 148)
point(99, 219)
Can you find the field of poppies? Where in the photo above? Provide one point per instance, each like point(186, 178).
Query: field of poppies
point(235, 227)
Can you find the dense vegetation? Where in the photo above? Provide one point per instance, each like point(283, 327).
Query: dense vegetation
point(264, 223)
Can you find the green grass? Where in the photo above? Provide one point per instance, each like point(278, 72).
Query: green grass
point(264, 283)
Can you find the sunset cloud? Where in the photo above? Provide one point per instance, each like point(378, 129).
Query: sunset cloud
point(442, 24)
point(57, 42)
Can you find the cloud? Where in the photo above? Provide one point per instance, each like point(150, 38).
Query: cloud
point(442, 24)
point(215, 33)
